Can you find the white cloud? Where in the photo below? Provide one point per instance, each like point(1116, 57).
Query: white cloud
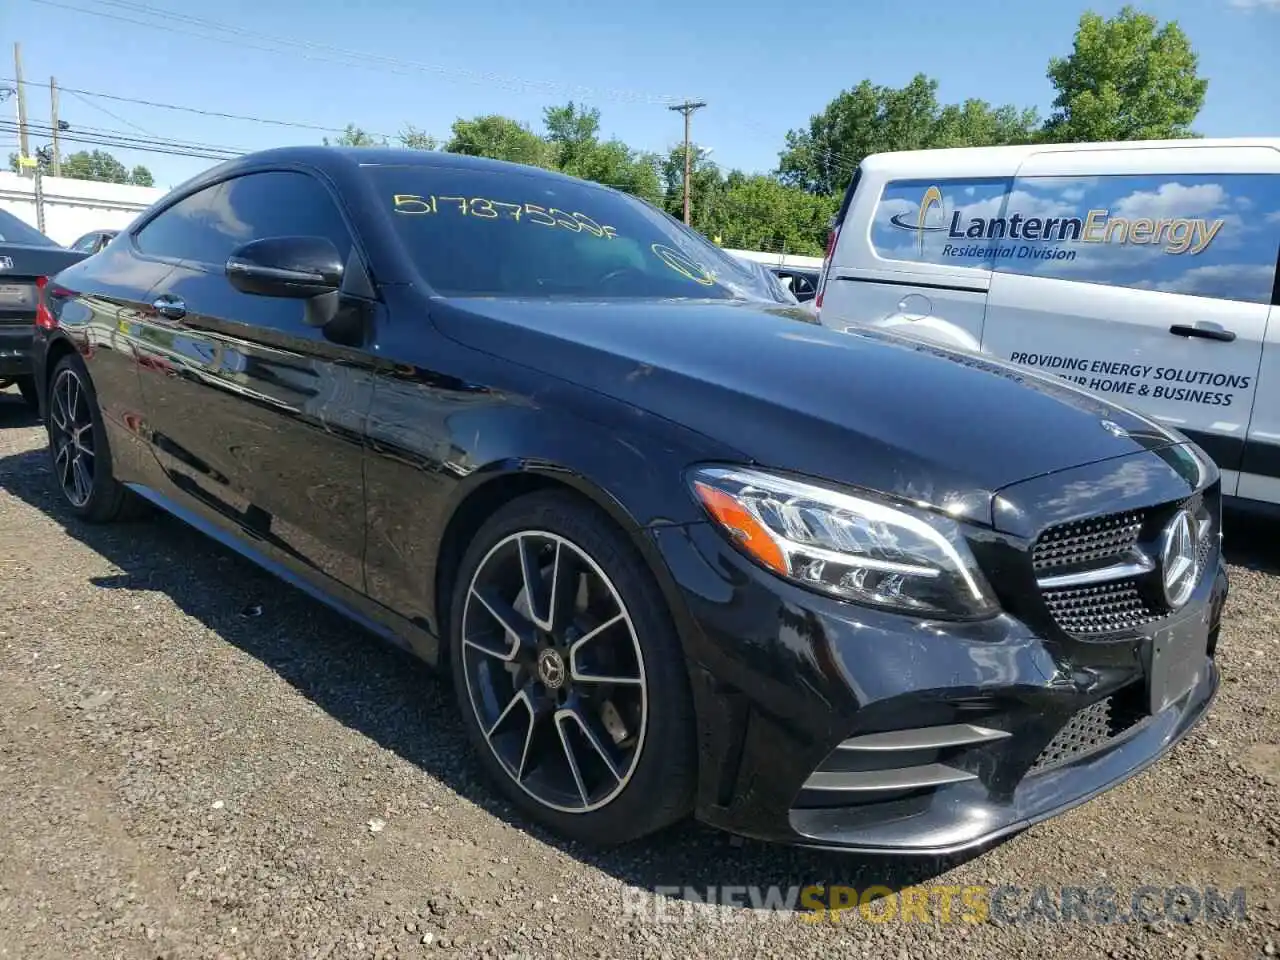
point(1233, 280)
point(1273, 217)
point(1172, 200)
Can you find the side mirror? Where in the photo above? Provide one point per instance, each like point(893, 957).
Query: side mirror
point(296, 267)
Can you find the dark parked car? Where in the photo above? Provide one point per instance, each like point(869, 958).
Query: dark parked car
point(92, 242)
point(801, 282)
point(681, 549)
point(27, 259)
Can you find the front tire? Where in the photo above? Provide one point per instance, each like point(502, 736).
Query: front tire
point(570, 678)
point(78, 448)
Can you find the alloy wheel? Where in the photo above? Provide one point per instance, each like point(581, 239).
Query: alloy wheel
point(71, 435)
point(554, 671)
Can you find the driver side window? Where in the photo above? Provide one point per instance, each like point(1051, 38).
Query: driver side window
point(189, 230)
point(207, 226)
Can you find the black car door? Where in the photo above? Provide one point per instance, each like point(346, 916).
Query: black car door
point(256, 416)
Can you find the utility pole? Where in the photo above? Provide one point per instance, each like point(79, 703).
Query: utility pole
point(23, 152)
point(53, 105)
point(687, 109)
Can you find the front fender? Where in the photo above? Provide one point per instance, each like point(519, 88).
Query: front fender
point(444, 454)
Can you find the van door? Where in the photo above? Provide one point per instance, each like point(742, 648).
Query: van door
point(1144, 274)
point(898, 265)
point(1260, 465)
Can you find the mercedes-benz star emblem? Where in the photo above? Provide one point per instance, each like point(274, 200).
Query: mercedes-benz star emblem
point(1178, 559)
point(551, 669)
point(1114, 429)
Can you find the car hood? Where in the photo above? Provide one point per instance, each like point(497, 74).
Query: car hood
point(864, 408)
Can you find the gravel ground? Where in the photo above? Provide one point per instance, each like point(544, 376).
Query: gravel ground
point(197, 761)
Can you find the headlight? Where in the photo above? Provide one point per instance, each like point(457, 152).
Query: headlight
point(851, 547)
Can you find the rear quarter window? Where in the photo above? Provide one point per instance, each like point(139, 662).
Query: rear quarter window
point(1202, 235)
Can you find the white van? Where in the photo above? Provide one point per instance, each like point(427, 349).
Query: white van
point(1144, 271)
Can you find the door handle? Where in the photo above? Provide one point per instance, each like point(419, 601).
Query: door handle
point(170, 308)
point(1206, 333)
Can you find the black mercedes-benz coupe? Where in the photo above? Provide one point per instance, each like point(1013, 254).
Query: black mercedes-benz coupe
point(681, 550)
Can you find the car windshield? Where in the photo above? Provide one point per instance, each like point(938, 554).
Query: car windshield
point(13, 230)
point(491, 233)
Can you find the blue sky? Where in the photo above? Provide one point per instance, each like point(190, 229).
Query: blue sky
point(763, 67)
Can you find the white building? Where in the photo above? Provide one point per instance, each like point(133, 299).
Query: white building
point(73, 208)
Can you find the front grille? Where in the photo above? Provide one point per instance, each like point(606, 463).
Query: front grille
point(1100, 587)
point(1087, 541)
point(1100, 609)
point(1093, 727)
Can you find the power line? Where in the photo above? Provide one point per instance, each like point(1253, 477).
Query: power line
point(125, 135)
point(122, 141)
point(200, 111)
point(114, 116)
point(330, 53)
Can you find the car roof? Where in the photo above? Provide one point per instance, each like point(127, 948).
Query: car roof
point(329, 159)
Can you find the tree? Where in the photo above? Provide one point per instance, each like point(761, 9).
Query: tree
point(706, 184)
point(84, 165)
point(1126, 78)
point(573, 138)
point(874, 119)
point(414, 139)
point(499, 138)
point(615, 164)
point(573, 133)
point(761, 213)
point(103, 167)
point(353, 136)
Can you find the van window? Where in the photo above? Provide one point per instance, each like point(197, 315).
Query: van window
point(915, 220)
point(1204, 235)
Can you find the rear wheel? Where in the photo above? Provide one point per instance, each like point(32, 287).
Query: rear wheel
point(569, 675)
point(78, 448)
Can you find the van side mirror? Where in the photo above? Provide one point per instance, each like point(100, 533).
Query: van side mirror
point(296, 267)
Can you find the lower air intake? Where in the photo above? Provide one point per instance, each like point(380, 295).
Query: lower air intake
point(1088, 729)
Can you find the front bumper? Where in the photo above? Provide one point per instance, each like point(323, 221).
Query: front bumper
point(15, 351)
point(782, 678)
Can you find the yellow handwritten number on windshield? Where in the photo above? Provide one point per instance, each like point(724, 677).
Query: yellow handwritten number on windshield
point(414, 205)
point(683, 264)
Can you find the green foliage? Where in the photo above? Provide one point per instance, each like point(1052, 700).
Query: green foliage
point(353, 136)
point(1126, 78)
point(499, 138)
point(412, 138)
point(875, 119)
point(570, 144)
point(706, 185)
point(762, 213)
point(91, 165)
